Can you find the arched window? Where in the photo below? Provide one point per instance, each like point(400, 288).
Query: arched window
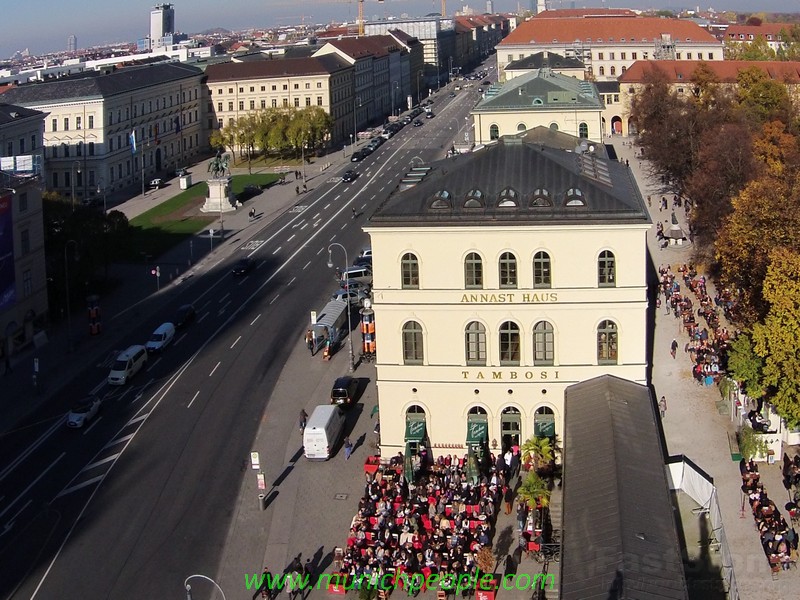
point(574, 197)
point(541, 270)
point(554, 126)
point(508, 198)
point(494, 132)
point(508, 270)
point(412, 343)
point(521, 127)
point(606, 269)
point(538, 102)
point(543, 344)
point(544, 422)
point(474, 199)
point(409, 267)
point(475, 344)
point(477, 410)
point(624, 68)
point(583, 131)
point(441, 200)
point(607, 343)
point(613, 71)
point(473, 271)
point(509, 344)
point(416, 410)
point(541, 197)
point(602, 71)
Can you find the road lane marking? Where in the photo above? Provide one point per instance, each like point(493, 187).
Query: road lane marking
point(125, 393)
point(10, 522)
point(306, 265)
point(275, 298)
point(326, 206)
point(222, 310)
point(179, 340)
point(196, 394)
point(278, 249)
point(235, 342)
point(216, 366)
point(256, 319)
point(124, 438)
point(158, 360)
point(363, 206)
point(97, 387)
point(221, 300)
point(315, 216)
point(317, 222)
point(291, 238)
point(304, 226)
point(200, 320)
point(343, 225)
point(337, 197)
point(292, 281)
point(30, 449)
point(242, 280)
point(99, 462)
point(32, 483)
point(261, 264)
point(79, 486)
point(137, 419)
point(89, 428)
point(320, 250)
point(333, 237)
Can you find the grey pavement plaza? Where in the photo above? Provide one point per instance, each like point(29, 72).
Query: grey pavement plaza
point(310, 505)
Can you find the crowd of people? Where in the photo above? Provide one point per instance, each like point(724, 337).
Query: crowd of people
point(435, 525)
point(709, 341)
point(778, 540)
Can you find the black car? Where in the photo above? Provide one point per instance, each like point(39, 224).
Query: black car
point(344, 390)
point(430, 115)
point(243, 266)
point(349, 176)
point(185, 315)
point(487, 82)
point(417, 123)
point(363, 261)
point(452, 94)
point(357, 156)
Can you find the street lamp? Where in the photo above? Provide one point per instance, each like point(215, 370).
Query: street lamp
point(347, 294)
point(72, 180)
point(66, 285)
point(394, 97)
point(355, 117)
point(419, 74)
point(188, 588)
point(351, 144)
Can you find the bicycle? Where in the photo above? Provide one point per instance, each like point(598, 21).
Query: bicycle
point(548, 552)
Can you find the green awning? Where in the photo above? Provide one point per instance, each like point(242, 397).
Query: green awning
point(477, 432)
point(415, 430)
point(544, 426)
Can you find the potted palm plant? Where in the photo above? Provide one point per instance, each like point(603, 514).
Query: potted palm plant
point(537, 452)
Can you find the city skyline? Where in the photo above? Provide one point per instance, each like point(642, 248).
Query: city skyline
point(26, 29)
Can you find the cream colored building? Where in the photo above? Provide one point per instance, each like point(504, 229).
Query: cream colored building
point(91, 116)
point(23, 275)
point(505, 276)
point(236, 89)
point(540, 97)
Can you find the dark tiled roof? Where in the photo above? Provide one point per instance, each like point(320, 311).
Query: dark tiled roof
point(545, 59)
point(610, 193)
point(541, 89)
point(619, 537)
point(10, 113)
point(403, 37)
point(278, 67)
point(607, 87)
point(99, 84)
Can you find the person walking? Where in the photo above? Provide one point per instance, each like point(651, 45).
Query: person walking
point(522, 515)
point(354, 212)
point(508, 498)
point(305, 188)
point(673, 349)
point(297, 190)
point(310, 341)
point(302, 421)
point(662, 406)
point(348, 448)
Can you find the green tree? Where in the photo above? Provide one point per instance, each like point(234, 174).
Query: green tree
point(534, 491)
point(758, 49)
point(763, 99)
point(790, 49)
point(746, 366)
point(537, 450)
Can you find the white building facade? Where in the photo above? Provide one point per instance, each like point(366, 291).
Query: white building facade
point(501, 279)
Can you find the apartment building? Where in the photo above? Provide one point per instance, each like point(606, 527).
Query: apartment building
point(91, 116)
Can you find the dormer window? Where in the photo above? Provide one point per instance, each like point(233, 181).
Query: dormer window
point(442, 199)
point(574, 197)
point(541, 197)
point(537, 102)
point(474, 199)
point(508, 198)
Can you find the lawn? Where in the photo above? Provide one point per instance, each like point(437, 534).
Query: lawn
point(157, 230)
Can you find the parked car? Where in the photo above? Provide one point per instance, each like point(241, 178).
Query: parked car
point(156, 183)
point(243, 266)
point(83, 411)
point(357, 156)
point(417, 123)
point(181, 173)
point(161, 338)
point(185, 315)
point(430, 115)
point(354, 284)
point(452, 94)
point(363, 260)
point(355, 297)
point(344, 390)
point(349, 176)
point(366, 251)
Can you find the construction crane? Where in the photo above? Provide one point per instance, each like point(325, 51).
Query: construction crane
point(360, 10)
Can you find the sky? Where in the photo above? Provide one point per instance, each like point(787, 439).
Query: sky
point(44, 25)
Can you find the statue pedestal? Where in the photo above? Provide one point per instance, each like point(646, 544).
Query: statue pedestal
point(220, 196)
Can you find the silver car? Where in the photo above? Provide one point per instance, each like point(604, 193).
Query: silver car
point(356, 297)
point(83, 412)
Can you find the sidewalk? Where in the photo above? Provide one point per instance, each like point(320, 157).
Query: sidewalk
point(694, 426)
point(136, 296)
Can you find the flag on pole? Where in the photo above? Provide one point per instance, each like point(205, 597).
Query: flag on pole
point(133, 141)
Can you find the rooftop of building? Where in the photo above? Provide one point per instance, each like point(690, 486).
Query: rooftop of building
point(764, 29)
point(276, 67)
point(726, 71)
point(11, 113)
point(520, 181)
point(581, 13)
point(540, 89)
point(545, 59)
point(606, 30)
point(99, 84)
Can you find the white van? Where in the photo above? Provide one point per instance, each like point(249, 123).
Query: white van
point(128, 363)
point(323, 429)
point(360, 273)
point(161, 338)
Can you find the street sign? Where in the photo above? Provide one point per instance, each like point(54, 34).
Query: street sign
point(313, 317)
point(211, 232)
point(262, 482)
point(254, 461)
